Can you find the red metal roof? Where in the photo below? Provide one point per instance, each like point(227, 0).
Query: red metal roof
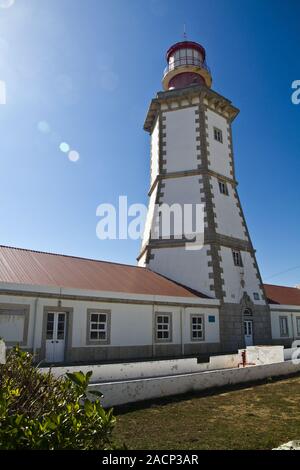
point(20, 266)
point(185, 45)
point(282, 295)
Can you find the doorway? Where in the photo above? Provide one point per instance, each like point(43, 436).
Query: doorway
point(55, 336)
point(248, 332)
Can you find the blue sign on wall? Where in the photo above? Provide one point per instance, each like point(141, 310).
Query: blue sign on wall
point(211, 319)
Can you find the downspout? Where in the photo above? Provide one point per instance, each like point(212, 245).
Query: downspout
point(182, 310)
point(34, 325)
point(153, 329)
point(293, 329)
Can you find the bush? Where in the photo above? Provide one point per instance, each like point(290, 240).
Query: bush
point(38, 411)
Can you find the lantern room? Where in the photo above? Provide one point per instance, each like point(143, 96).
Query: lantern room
point(186, 66)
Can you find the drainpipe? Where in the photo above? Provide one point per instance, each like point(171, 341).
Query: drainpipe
point(182, 316)
point(153, 330)
point(293, 329)
point(34, 325)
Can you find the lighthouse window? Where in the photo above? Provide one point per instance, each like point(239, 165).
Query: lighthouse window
point(218, 135)
point(237, 258)
point(223, 188)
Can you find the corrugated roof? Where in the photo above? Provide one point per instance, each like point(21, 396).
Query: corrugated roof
point(20, 266)
point(282, 295)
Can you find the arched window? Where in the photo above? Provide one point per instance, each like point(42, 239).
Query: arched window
point(247, 312)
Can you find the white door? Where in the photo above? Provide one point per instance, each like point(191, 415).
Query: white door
point(55, 336)
point(248, 330)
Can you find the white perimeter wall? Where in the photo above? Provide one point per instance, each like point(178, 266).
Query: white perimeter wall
point(118, 393)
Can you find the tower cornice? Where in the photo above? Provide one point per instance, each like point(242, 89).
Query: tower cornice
point(210, 98)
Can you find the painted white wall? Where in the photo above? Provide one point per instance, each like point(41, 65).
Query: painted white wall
point(12, 327)
point(218, 152)
point(232, 277)
point(131, 324)
point(149, 221)
point(211, 329)
point(154, 151)
point(293, 323)
point(228, 218)
point(129, 391)
point(189, 268)
point(181, 139)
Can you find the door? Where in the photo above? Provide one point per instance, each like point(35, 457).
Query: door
point(55, 336)
point(248, 330)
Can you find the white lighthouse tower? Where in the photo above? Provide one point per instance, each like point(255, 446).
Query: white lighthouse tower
point(192, 163)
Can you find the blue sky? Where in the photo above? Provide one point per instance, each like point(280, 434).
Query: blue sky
point(89, 69)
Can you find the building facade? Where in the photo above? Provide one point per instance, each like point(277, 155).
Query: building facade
point(196, 295)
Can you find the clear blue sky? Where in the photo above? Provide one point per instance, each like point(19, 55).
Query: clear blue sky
point(89, 68)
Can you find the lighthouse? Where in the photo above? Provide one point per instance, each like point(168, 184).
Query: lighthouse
point(192, 162)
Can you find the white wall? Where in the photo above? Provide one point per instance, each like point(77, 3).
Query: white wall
point(190, 268)
point(131, 324)
point(232, 277)
point(291, 315)
point(118, 393)
point(155, 151)
point(228, 218)
point(12, 327)
point(181, 139)
point(218, 152)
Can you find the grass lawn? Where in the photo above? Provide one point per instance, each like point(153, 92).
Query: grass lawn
point(261, 416)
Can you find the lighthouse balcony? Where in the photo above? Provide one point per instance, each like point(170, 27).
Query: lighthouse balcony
point(186, 62)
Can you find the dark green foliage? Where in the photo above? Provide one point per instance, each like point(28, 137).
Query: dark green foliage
point(38, 411)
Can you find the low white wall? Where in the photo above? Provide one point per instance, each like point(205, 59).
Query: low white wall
point(259, 355)
point(119, 393)
point(2, 352)
point(136, 370)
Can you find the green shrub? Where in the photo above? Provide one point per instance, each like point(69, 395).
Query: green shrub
point(38, 411)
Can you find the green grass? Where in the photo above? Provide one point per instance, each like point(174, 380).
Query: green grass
point(261, 416)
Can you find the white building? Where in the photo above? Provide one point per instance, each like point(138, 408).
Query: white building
point(179, 301)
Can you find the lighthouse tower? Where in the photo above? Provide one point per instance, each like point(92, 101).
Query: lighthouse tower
point(192, 163)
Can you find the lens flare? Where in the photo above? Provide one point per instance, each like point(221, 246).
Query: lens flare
point(73, 156)
point(64, 147)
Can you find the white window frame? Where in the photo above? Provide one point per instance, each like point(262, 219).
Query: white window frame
point(197, 316)
point(283, 320)
point(158, 325)
point(237, 258)
point(256, 296)
point(218, 135)
point(98, 326)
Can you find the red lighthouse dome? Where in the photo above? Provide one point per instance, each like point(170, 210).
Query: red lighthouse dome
point(186, 66)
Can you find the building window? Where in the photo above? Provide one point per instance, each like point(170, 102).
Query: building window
point(237, 258)
point(218, 135)
point(283, 325)
point(98, 327)
point(197, 328)
point(298, 325)
point(163, 327)
point(223, 188)
point(256, 295)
